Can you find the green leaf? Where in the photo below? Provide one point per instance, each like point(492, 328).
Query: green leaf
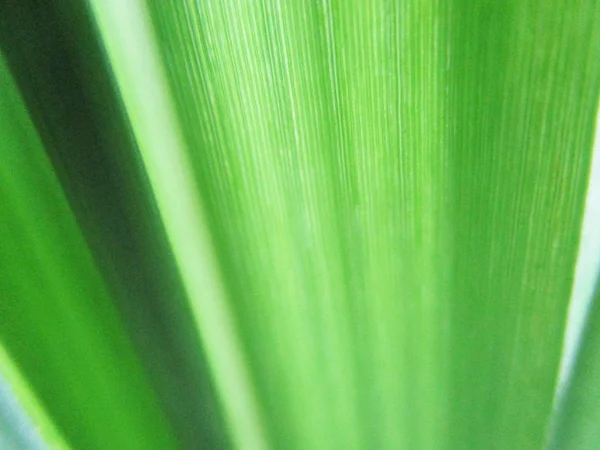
point(374, 209)
point(59, 66)
point(392, 192)
point(57, 323)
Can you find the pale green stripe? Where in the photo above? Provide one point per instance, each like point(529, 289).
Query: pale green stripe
point(131, 50)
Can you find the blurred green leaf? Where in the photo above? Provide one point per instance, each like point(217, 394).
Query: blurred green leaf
point(57, 322)
point(58, 63)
